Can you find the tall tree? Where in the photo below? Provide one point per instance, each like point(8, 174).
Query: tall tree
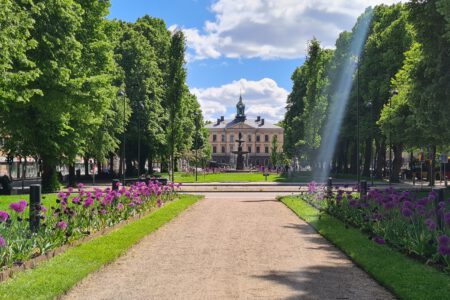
point(143, 80)
point(175, 92)
point(431, 91)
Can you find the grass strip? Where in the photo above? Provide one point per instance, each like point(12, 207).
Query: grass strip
point(56, 276)
point(405, 277)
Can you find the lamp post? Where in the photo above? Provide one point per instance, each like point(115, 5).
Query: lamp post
point(394, 92)
point(196, 145)
point(140, 106)
point(372, 169)
point(122, 94)
point(357, 121)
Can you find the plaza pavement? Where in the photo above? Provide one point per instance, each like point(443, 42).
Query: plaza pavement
point(232, 246)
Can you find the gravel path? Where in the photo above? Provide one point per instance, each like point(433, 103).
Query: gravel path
point(232, 246)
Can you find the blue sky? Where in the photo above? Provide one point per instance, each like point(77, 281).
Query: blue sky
point(251, 46)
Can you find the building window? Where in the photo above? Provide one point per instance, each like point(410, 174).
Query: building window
point(249, 148)
point(257, 149)
point(223, 138)
point(266, 149)
point(214, 149)
point(231, 147)
point(223, 149)
point(266, 138)
point(232, 138)
point(258, 139)
point(214, 138)
point(249, 137)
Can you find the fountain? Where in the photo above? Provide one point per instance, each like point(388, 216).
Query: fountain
point(240, 154)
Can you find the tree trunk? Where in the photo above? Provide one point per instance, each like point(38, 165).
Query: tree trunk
point(150, 164)
point(111, 164)
point(367, 157)
point(129, 170)
point(18, 167)
point(345, 155)
point(432, 165)
point(142, 164)
point(86, 166)
point(381, 159)
point(397, 162)
point(120, 166)
point(49, 179)
point(353, 159)
point(72, 181)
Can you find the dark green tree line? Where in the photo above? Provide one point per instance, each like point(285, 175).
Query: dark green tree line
point(399, 93)
point(62, 66)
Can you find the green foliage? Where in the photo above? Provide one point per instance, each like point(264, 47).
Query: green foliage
point(274, 154)
point(307, 103)
point(175, 94)
point(63, 64)
point(16, 68)
point(399, 95)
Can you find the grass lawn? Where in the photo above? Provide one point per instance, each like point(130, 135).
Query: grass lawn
point(239, 177)
point(56, 276)
point(405, 277)
point(47, 200)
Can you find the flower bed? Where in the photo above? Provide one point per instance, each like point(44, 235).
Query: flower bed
point(76, 214)
point(418, 226)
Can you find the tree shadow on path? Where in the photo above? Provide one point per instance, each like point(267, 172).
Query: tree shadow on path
point(327, 282)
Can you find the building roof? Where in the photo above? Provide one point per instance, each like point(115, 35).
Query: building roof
point(241, 119)
point(251, 123)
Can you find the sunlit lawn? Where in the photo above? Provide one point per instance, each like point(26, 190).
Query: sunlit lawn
point(240, 177)
point(48, 200)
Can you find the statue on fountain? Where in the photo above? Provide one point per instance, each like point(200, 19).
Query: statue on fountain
point(240, 153)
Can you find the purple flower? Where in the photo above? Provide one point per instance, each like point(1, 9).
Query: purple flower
point(103, 212)
point(61, 225)
point(120, 206)
point(430, 224)
point(88, 202)
point(80, 186)
point(312, 187)
point(406, 212)
point(18, 207)
point(3, 216)
point(43, 209)
point(444, 250)
point(76, 200)
point(444, 240)
point(2, 242)
point(379, 240)
point(447, 218)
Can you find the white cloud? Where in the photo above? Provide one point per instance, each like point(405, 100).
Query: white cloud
point(263, 98)
point(273, 28)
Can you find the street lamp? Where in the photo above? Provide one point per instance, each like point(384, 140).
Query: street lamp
point(372, 169)
point(141, 106)
point(196, 145)
point(122, 94)
point(357, 121)
point(394, 92)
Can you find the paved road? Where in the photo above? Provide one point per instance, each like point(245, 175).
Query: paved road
point(232, 246)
